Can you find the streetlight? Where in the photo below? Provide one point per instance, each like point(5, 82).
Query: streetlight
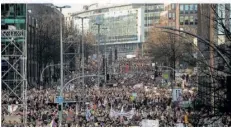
point(82, 18)
point(61, 62)
point(41, 75)
point(105, 62)
point(98, 23)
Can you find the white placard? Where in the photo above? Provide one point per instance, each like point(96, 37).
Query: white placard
point(12, 108)
point(180, 125)
point(176, 94)
point(150, 123)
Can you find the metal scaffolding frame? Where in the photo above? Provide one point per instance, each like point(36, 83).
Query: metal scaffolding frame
point(70, 43)
point(14, 80)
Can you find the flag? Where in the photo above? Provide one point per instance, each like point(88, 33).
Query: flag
point(186, 119)
point(127, 68)
point(132, 98)
point(88, 114)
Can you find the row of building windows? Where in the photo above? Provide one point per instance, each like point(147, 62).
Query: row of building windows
point(152, 18)
point(188, 20)
point(188, 8)
point(154, 7)
point(171, 16)
point(148, 24)
point(154, 10)
point(16, 10)
point(125, 38)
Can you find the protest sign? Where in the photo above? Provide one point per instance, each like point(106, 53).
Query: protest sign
point(176, 93)
point(12, 108)
point(8, 119)
point(150, 123)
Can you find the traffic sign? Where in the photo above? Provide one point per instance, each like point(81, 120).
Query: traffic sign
point(165, 75)
point(59, 99)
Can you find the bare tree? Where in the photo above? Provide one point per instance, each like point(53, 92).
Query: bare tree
point(166, 47)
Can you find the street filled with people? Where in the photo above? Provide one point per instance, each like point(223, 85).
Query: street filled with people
point(128, 100)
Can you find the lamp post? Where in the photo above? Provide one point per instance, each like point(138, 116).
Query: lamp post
point(105, 62)
point(61, 62)
point(41, 75)
point(98, 23)
point(82, 62)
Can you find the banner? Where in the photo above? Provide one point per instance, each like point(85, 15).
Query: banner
point(11, 119)
point(12, 108)
point(138, 85)
point(134, 94)
point(150, 123)
point(186, 104)
point(176, 93)
point(179, 125)
point(115, 114)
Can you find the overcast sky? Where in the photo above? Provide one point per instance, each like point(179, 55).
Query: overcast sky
point(78, 6)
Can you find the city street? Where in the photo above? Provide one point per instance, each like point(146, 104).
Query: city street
point(116, 65)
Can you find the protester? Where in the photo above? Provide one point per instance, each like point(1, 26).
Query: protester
point(121, 105)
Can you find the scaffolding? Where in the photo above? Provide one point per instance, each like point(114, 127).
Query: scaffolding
point(71, 56)
point(14, 80)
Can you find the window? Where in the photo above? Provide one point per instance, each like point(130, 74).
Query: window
point(181, 9)
point(191, 8)
point(173, 16)
point(230, 13)
point(170, 16)
point(229, 24)
point(196, 21)
point(146, 34)
point(173, 6)
point(195, 7)
point(186, 9)
point(220, 28)
point(221, 10)
point(191, 20)
point(181, 20)
point(186, 20)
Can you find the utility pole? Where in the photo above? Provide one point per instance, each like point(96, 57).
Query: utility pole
point(82, 53)
point(105, 63)
point(98, 23)
point(82, 60)
point(61, 70)
point(98, 54)
point(61, 65)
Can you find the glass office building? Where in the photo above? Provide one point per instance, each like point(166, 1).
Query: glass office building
point(123, 27)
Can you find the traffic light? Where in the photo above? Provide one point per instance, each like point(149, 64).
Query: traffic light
point(115, 54)
point(104, 70)
point(110, 58)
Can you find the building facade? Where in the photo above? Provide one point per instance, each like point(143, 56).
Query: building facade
point(214, 27)
point(34, 18)
point(123, 27)
point(43, 41)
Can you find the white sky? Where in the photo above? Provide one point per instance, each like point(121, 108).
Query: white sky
point(77, 5)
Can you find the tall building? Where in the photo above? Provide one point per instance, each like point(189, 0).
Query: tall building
point(68, 21)
point(35, 19)
point(181, 17)
point(43, 41)
point(212, 19)
point(123, 27)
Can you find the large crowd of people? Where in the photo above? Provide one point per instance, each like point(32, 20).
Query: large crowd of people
point(93, 106)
